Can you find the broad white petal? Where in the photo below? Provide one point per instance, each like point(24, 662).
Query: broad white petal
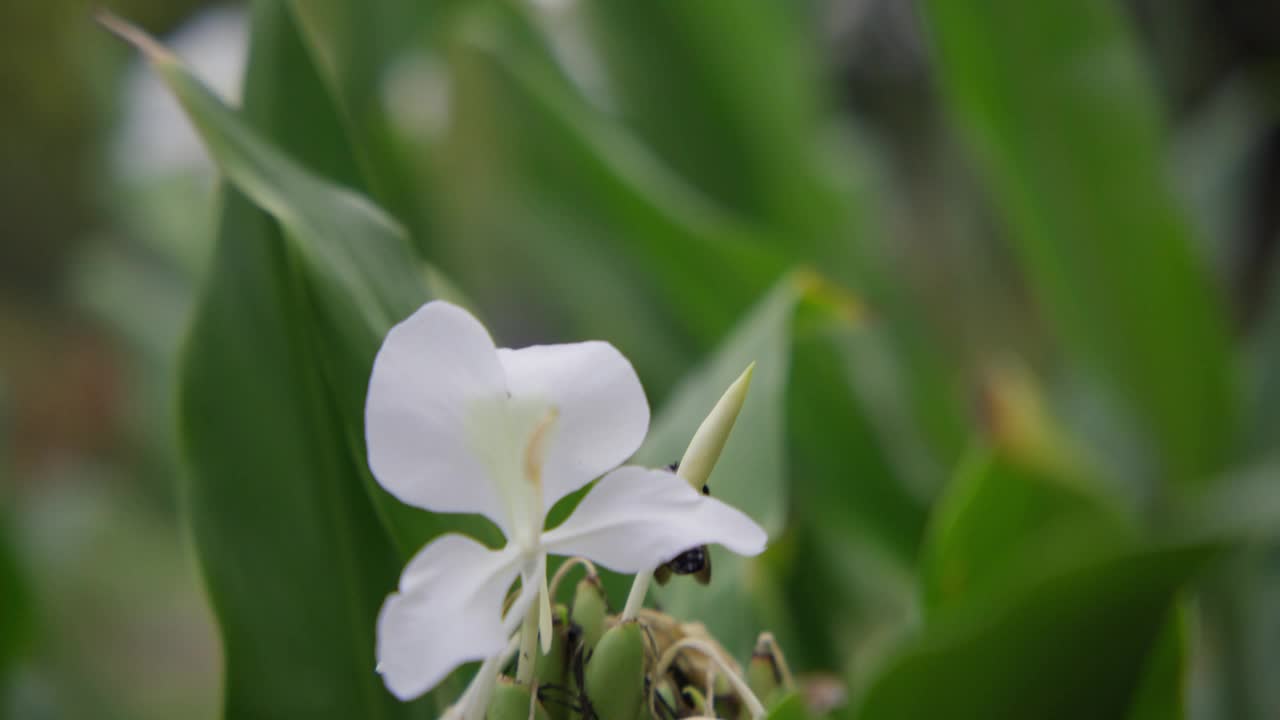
point(603, 414)
point(448, 611)
point(432, 372)
point(635, 519)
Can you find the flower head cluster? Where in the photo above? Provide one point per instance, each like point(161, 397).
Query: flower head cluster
point(456, 425)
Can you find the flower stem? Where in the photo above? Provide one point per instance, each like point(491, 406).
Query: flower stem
point(564, 570)
point(754, 707)
point(528, 658)
point(635, 600)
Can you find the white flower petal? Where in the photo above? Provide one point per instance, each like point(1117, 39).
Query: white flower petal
point(545, 630)
point(431, 373)
point(448, 611)
point(636, 519)
point(603, 414)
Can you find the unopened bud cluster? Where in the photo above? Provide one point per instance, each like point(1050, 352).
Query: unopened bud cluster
point(604, 668)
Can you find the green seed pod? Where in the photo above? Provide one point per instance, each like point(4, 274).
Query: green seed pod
point(615, 674)
point(589, 610)
point(511, 702)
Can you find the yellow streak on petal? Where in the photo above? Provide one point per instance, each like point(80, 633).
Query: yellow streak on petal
point(536, 450)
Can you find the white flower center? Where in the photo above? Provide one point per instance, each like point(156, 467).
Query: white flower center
point(523, 428)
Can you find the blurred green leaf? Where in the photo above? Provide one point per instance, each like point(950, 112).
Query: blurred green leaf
point(1262, 377)
point(1002, 513)
point(790, 707)
point(354, 272)
point(847, 560)
point(1068, 641)
point(356, 47)
point(1163, 690)
point(839, 460)
point(704, 266)
point(1064, 126)
point(295, 558)
point(728, 95)
point(15, 615)
point(1238, 601)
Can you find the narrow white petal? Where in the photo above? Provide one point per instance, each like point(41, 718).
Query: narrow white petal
point(637, 518)
point(432, 372)
point(448, 611)
point(603, 414)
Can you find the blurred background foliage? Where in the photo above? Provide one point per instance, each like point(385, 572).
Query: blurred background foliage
point(1006, 269)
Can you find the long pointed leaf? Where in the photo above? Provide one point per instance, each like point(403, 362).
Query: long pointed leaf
point(1065, 128)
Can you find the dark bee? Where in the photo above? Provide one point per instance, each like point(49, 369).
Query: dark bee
point(695, 561)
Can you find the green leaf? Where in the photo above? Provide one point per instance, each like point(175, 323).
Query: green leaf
point(16, 620)
point(846, 564)
point(1163, 690)
point(353, 272)
point(355, 47)
point(840, 461)
point(1067, 642)
point(1003, 513)
point(304, 279)
point(1238, 601)
point(574, 160)
point(1064, 126)
point(1262, 376)
point(790, 707)
point(728, 95)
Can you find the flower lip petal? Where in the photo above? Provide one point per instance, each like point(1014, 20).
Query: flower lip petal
point(429, 374)
point(448, 611)
point(636, 518)
point(603, 413)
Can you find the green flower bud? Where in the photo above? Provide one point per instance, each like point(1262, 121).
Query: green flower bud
point(615, 674)
point(767, 674)
point(589, 610)
point(551, 669)
point(511, 702)
point(763, 679)
point(704, 449)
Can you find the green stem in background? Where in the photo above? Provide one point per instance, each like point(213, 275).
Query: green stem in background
point(696, 465)
point(568, 565)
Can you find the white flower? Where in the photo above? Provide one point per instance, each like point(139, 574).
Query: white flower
point(454, 424)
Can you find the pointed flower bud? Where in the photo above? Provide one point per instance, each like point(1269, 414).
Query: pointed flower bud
point(589, 611)
point(615, 675)
point(768, 675)
point(707, 443)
